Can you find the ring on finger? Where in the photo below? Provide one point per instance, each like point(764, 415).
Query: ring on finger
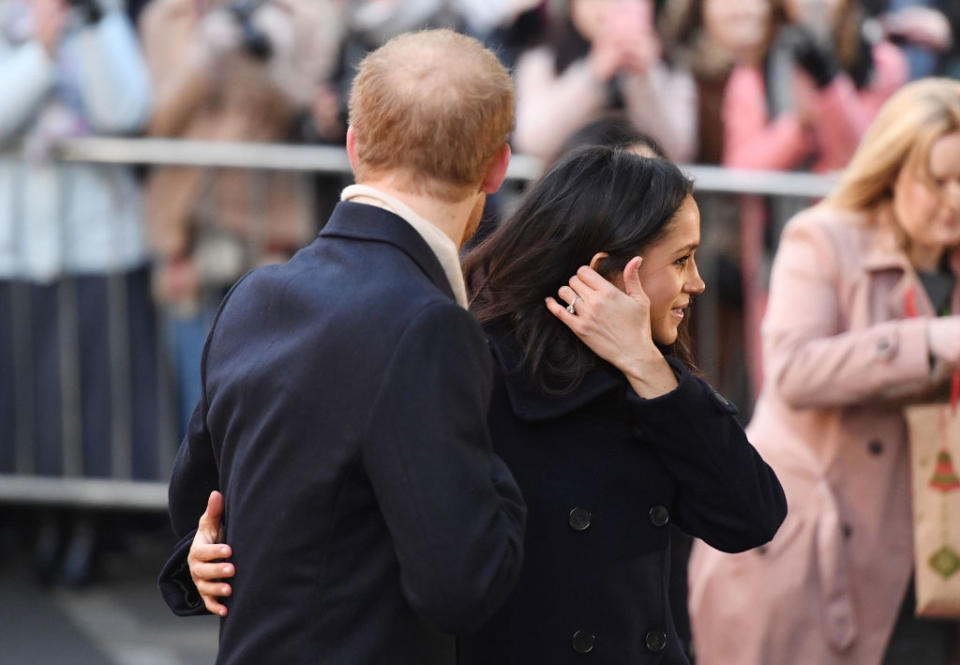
point(571, 307)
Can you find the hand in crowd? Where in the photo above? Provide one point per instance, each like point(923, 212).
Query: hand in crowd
point(815, 57)
point(220, 32)
point(920, 25)
point(177, 280)
point(207, 568)
point(943, 338)
point(627, 40)
point(615, 324)
point(49, 20)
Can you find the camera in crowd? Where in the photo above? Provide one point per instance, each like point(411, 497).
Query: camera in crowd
point(255, 41)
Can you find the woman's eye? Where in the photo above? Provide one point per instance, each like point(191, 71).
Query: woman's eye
point(682, 261)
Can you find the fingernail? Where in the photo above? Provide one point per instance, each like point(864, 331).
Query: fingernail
point(225, 590)
point(225, 551)
point(222, 611)
point(225, 569)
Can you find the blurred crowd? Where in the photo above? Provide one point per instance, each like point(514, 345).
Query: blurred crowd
point(105, 262)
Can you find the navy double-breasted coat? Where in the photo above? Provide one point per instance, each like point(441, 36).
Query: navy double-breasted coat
point(343, 416)
point(604, 473)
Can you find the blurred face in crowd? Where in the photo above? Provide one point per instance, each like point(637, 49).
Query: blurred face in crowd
point(740, 26)
point(814, 12)
point(592, 18)
point(928, 208)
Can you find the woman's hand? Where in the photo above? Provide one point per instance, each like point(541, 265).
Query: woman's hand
point(205, 558)
point(615, 325)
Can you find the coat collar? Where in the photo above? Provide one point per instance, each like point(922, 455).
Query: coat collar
point(528, 400)
point(359, 221)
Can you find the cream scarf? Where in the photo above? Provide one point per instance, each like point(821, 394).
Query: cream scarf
point(438, 241)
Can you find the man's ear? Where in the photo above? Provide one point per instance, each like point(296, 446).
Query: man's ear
point(496, 171)
point(597, 258)
point(352, 148)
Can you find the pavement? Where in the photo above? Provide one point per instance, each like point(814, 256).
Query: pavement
point(118, 620)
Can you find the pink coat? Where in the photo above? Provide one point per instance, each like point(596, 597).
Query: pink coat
point(841, 359)
point(840, 114)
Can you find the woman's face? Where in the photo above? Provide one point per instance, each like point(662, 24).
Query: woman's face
point(737, 25)
point(593, 17)
point(669, 273)
point(929, 213)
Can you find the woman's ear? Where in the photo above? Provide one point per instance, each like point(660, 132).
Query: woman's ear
point(597, 258)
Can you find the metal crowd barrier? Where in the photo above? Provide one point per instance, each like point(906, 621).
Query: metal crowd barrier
point(22, 486)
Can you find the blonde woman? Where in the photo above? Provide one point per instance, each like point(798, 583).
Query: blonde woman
point(841, 358)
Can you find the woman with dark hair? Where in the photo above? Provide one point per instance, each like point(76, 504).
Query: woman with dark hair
point(608, 438)
point(603, 55)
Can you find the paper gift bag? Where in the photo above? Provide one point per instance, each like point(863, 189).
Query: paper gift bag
point(934, 452)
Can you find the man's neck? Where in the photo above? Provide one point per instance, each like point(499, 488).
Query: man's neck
point(451, 218)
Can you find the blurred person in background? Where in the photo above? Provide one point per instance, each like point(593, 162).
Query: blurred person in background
point(229, 70)
point(800, 98)
point(710, 37)
point(927, 30)
point(841, 360)
point(603, 55)
point(78, 380)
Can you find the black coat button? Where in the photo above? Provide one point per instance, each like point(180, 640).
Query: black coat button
point(583, 641)
point(659, 515)
point(875, 447)
point(656, 640)
point(580, 519)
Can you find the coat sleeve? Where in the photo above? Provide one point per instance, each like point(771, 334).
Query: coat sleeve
point(113, 78)
point(752, 140)
point(551, 107)
point(452, 507)
point(728, 496)
point(194, 476)
point(27, 76)
point(810, 357)
point(843, 114)
point(662, 102)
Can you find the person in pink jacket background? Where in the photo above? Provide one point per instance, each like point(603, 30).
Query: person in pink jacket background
point(806, 100)
point(800, 99)
point(841, 359)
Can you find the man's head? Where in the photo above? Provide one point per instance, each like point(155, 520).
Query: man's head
point(431, 111)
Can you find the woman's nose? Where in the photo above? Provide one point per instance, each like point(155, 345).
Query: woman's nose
point(695, 284)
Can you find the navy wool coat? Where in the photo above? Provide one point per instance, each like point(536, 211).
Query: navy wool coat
point(343, 416)
point(604, 472)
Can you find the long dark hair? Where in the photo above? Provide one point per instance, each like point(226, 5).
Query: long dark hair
point(596, 199)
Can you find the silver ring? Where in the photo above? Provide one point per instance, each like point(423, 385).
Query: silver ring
point(571, 308)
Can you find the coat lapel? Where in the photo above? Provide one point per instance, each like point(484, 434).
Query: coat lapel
point(886, 255)
point(359, 221)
